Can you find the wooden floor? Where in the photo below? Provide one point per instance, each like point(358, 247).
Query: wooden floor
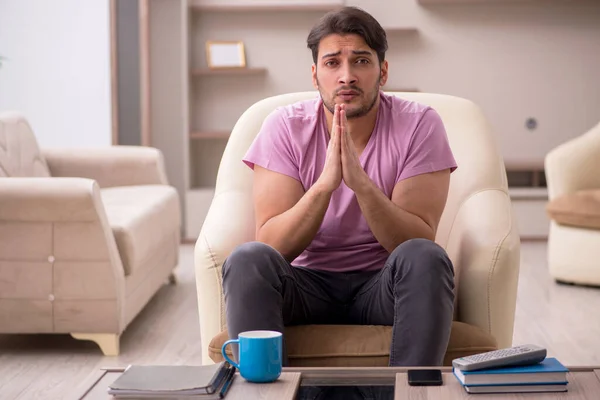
point(564, 319)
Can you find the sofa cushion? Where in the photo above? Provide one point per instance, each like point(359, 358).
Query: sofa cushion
point(140, 217)
point(19, 152)
point(580, 209)
point(359, 345)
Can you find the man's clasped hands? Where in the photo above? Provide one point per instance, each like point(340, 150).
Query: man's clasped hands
point(342, 161)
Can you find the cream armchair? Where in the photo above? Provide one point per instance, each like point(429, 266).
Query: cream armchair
point(573, 179)
point(477, 230)
point(87, 236)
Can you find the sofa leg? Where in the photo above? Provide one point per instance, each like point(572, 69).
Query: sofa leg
point(172, 278)
point(108, 342)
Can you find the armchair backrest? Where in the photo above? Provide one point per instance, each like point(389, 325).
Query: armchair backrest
point(20, 154)
point(573, 165)
point(480, 165)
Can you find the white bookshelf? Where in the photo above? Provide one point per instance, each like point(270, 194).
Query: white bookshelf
point(529, 196)
point(197, 204)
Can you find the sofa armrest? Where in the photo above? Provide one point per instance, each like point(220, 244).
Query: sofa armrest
point(574, 165)
point(109, 166)
point(485, 247)
point(62, 221)
point(49, 199)
point(229, 223)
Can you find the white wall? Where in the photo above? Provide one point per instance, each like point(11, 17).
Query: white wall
point(58, 69)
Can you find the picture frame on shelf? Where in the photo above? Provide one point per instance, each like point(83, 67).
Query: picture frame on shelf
point(225, 54)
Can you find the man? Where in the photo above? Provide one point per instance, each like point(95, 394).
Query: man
point(349, 189)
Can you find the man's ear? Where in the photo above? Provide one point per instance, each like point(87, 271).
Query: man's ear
point(314, 76)
point(383, 77)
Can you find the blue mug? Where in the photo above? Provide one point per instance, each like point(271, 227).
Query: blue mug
point(260, 355)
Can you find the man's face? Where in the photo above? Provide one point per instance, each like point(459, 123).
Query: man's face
point(348, 72)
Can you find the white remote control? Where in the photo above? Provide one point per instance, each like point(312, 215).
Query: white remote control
point(512, 356)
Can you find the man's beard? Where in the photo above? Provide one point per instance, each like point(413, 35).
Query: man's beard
point(352, 113)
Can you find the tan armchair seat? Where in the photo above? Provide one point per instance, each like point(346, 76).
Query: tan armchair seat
point(359, 345)
point(477, 230)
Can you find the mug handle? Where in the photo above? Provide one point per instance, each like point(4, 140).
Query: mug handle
point(225, 354)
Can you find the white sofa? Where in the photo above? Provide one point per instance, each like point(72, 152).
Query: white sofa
point(87, 236)
point(477, 230)
point(573, 180)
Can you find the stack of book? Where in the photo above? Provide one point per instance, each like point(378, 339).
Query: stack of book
point(174, 381)
point(547, 376)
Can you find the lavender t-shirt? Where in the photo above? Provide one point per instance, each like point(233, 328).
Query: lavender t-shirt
point(409, 139)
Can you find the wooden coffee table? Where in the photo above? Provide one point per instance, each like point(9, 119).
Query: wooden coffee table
point(584, 383)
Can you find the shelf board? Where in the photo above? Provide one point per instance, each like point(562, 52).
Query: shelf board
point(524, 165)
point(228, 71)
point(400, 29)
point(210, 135)
point(528, 193)
point(439, 2)
point(400, 90)
point(291, 5)
point(200, 190)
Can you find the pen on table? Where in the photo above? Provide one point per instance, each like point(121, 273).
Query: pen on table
point(228, 380)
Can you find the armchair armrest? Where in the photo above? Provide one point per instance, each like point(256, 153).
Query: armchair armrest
point(485, 246)
point(574, 165)
point(109, 166)
point(228, 224)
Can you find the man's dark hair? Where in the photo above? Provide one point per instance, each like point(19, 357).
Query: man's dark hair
point(349, 20)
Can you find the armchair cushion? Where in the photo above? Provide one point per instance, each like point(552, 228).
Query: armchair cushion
point(141, 218)
point(359, 345)
point(579, 209)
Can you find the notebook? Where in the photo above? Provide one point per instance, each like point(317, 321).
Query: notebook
point(548, 371)
point(171, 380)
point(516, 389)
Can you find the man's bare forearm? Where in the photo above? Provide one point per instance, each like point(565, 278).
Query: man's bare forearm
point(390, 224)
point(292, 231)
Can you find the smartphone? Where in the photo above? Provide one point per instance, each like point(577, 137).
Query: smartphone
point(425, 377)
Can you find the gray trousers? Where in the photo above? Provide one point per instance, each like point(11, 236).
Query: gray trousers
point(413, 293)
